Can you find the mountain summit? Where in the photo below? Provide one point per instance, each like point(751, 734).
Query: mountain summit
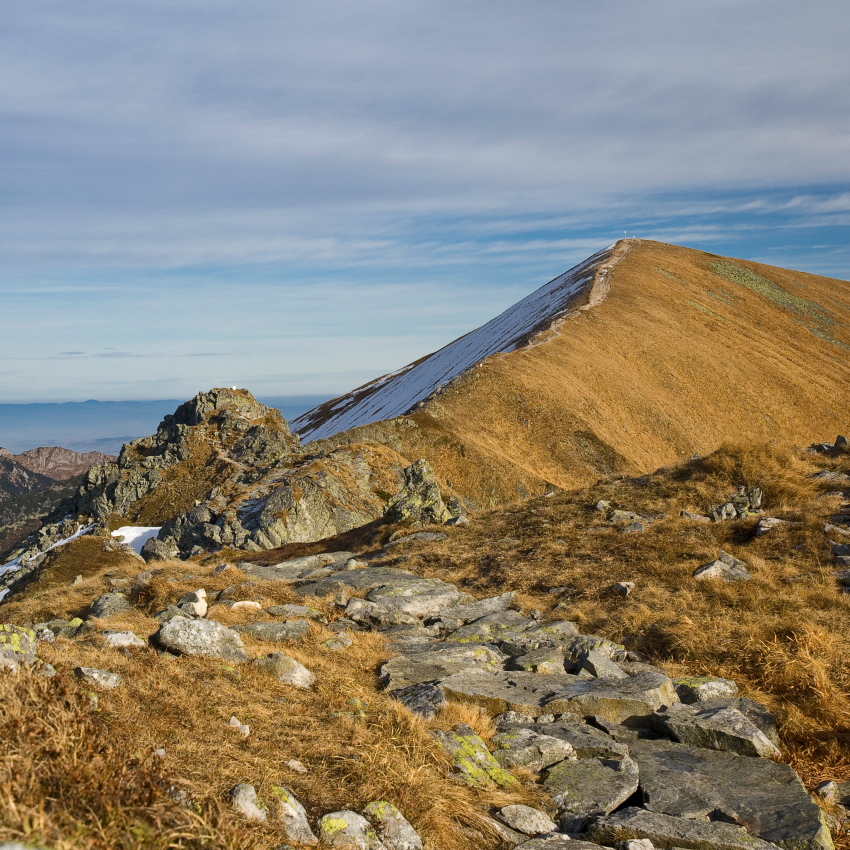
point(644, 354)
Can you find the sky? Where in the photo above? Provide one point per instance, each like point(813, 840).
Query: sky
point(298, 197)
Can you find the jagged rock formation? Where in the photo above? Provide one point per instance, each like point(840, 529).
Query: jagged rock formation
point(624, 372)
point(226, 471)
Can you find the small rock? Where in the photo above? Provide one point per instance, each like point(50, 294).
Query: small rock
point(624, 588)
point(696, 517)
point(527, 820)
point(289, 632)
point(337, 643)
point(424, 698)
point(348, 829)
point(285, 669)
point(828, 791)
point(693, 689)
point(99, 678)
point(122, 639)
point(725, 568)
point(242, 728)
point(194, 603)
point(244, 799)
point(392, 827)
point(108, 605)
point(297, 766)
point(159, 753)
point(294, 611)
point(76, 581)
point(245, 605)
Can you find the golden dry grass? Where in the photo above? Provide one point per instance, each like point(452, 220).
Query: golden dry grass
point(184, 705)
point(644, 379)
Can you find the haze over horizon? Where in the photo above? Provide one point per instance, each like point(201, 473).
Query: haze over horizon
point(298, 199)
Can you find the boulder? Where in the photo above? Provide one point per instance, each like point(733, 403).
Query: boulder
point(600, 666)
point(471, 759)
point(667, 832)
point(475, 610)
point(350, 830)
point(725, 568)
point(693, 689)
point(427, 599)
point(766, 798)
point(202, 638)
point(121, 640)
point(590, 787)
point(587, 741)
point(392, 827)
point(524, 746)
point(527, 820)
point(425, 699)
point(617, 700)
point(285, 669)
point(108, 605)
point(419, 500)
point(714, 729)
point(17, 645)
point(438, 661)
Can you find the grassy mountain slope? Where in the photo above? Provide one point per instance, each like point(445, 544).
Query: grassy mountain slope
point(687, 351)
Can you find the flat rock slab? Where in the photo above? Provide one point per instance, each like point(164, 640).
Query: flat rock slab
point(526, 747)
point(587, 741)
point(617, 700)
point(766, 798)
point(365, 579)
point(472, 761)
point(491, 628)
point(497, 692)
point(667, 832)
point(424, 599)
point(714, 729)
point(590, 787)
point(436, 664)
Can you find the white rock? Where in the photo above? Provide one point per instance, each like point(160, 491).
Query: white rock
point(197, 601)
point(242, 728)
point(294, 818)
point(297, 766)
point(527, 820)
point(122, 639)
point(245, 605)
point(286, 669)
point(394, 830)
point(244, 800)
point(100, 678)
point(348, 829)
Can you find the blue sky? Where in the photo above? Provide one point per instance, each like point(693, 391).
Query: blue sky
point(297, 197)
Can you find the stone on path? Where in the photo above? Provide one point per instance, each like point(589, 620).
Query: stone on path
point(714, 729)
point(243, 798)
point(527, 820)
point(590, 787)
point(201, 638)
point(765, 797)
point(669, 832)
point(392, 827)
point(350, 830)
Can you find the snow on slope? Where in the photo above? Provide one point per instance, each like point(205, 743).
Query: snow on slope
point(397, 393)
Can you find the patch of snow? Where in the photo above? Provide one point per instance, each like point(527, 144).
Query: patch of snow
point(136, 535)
point(398, 392)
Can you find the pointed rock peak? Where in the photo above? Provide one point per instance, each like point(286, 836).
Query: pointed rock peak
point(206, 405)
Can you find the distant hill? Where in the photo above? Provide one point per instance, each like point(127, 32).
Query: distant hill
point(645, 354)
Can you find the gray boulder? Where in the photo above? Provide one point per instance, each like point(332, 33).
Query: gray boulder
point(590, 787)
point(292, 816)
point(491, 628)
point(693, 689)
point(765, 797)
point(202, 638)
point(108, 605)
point(526, 747)
point(425, 600)
point(392, 827)
point(243, 798)
point(438, 661)
point(473, 764)
point(425, 699)
point(714, 729)
point(99, 678)
point(670, 832)
point(17, 645)
point(121, 640)
point(617, 700)
point(725, 568)
point(527, 820)
point(419, 499)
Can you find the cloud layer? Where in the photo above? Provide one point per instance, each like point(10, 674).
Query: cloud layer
point(178, 172)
